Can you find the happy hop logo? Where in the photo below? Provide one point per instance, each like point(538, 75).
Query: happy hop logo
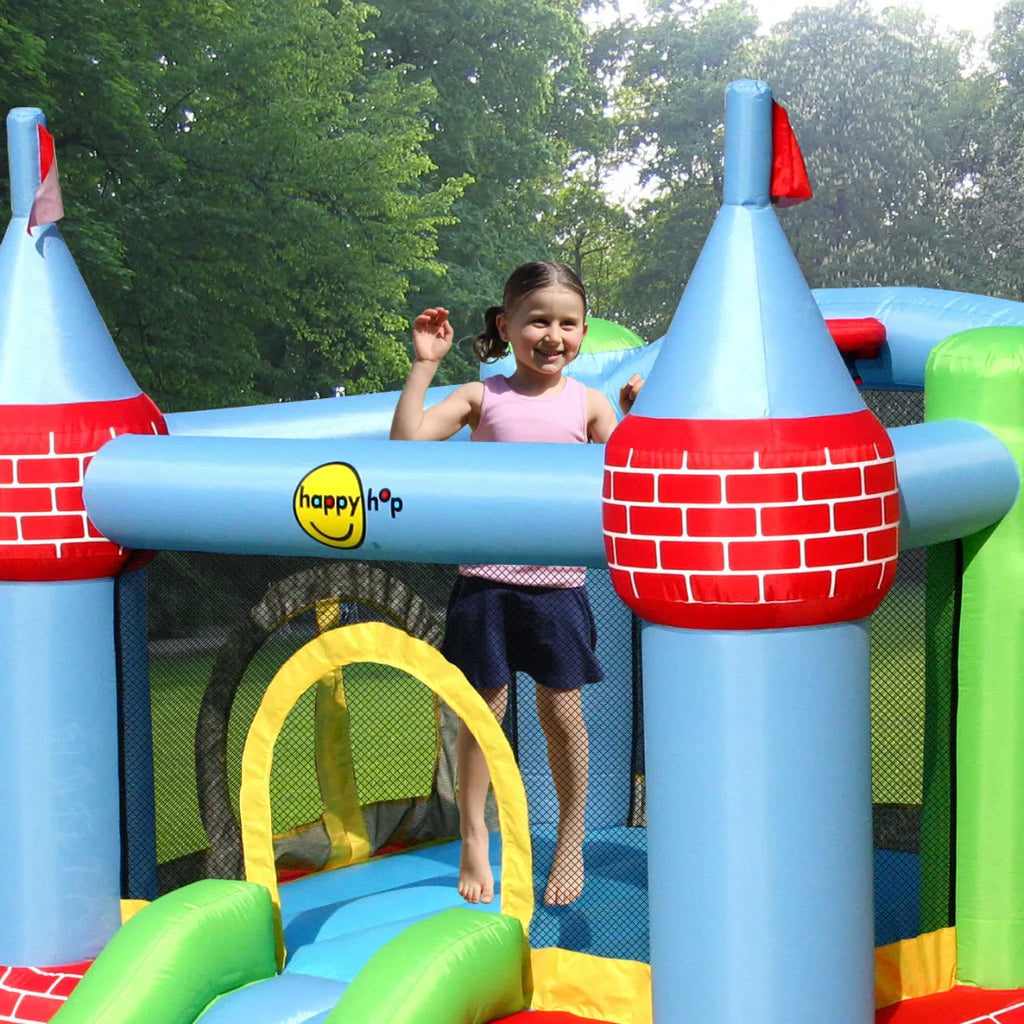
point(331, 505)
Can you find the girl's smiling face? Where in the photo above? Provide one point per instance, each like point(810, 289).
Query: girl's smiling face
point(545, 330)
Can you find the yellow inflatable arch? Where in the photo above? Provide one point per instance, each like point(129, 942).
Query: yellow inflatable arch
point(378, 643)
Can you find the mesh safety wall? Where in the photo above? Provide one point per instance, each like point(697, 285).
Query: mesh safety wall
point(560, 670)
point(898, 651)
point(220, 627)
point(204, 646)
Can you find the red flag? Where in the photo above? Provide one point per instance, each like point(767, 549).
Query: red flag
point(790, 184)
point(48, 206)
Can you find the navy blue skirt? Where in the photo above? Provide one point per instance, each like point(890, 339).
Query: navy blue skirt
point(494, 630)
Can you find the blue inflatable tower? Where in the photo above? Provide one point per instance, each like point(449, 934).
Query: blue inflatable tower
point(64, 392)
point(751, 518)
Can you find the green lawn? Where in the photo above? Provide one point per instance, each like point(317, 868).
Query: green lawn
point(176, 688)
point(392, 737)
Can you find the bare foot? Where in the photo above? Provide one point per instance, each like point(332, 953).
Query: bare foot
point(476, 880)
point(565, 882)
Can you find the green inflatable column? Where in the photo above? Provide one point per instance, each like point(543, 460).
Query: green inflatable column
point(979, 376)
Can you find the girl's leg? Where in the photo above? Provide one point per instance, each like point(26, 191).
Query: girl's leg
point(561, 718)
point(476, 880)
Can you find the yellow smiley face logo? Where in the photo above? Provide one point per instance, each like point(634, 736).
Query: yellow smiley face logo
point(328, 505)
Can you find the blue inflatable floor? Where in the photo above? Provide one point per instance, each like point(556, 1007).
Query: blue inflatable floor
point(336, 920)
point(610, 917)
point(897, 896)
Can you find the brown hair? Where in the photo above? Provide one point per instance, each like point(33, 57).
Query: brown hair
point(489, 345)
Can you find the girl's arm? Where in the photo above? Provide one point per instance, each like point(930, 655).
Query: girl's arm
point(432, 338)
point(601, 418)
point(412, 422)
point(628, 393)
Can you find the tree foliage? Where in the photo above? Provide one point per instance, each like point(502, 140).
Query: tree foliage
point(669, 93)
point(593, 234)
point(512, 105)
point(245, 198)
point(995, 194)
point(881, 105)
point(261, 193)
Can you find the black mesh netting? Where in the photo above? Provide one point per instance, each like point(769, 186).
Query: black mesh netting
point(220, 627)
point(898, 656)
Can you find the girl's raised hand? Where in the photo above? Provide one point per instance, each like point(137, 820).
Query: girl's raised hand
point(629, 391)
point(432, 335)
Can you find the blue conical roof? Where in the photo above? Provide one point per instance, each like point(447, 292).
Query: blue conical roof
point(747, 340)
point(54, 346)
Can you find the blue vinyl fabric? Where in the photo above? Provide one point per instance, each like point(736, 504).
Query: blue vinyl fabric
point(747, 340)
point(56, 347)
point(286, 999)
point(757, 742)
point(335, 921)
point(792, 705)
point(60, 827)
point(955, 479)
point(362, 906)
point(759, 822)
point(59, 813)
point(163, 493)
point(916, 320)
point(170, 495)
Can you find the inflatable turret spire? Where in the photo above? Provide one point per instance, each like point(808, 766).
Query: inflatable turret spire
point(764, 493)
point(64, 390)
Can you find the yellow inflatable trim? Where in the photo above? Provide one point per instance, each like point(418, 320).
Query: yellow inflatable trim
point(620, 990)
point(591, 986)
point(335, 769)
point(129, 908)
point(336, 772)
point(378, 643)
point(915, 967)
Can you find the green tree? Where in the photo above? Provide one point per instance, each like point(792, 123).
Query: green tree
point(885, 114)
point(594, 236)
point(245, 194)
point(994, 197)
point(669, 98)
point(514, 102)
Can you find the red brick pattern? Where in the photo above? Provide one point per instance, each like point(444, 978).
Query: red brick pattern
point(1011, 1015)
point(29, 995)
point(749, 524)
point(45, 533)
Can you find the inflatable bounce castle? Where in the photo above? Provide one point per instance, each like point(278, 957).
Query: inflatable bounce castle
point(749, 515)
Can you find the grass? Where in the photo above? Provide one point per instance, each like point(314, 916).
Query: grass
point(176, 688)
point(392, 738)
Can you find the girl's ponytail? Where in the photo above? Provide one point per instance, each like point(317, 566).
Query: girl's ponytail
point(488, 345)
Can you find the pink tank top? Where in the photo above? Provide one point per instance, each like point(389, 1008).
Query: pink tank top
point(506, 415)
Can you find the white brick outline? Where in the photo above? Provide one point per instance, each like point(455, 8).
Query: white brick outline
point(82, 457)
point(721, 475)
point(995, 1015)
point(42, 992)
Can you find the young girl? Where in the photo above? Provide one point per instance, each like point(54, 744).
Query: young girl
point(508, 618)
